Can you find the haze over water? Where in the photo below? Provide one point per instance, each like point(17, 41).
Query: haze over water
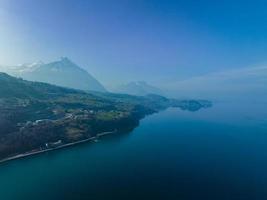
point(215, 153)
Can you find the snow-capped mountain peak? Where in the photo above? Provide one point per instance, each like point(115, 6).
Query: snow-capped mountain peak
point(63, 72)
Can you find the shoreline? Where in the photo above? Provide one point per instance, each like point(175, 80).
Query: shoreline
point(32, 153)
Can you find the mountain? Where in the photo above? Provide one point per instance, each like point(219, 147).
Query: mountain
point(62, 73)
point(139, 88)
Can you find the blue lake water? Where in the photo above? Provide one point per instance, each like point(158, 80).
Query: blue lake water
point(217, 153)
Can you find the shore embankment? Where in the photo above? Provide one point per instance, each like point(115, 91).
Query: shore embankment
point(35, 152)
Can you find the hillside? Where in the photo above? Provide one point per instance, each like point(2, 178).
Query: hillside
point(35, 114)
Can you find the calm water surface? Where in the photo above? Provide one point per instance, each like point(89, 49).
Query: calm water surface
point(216, 153)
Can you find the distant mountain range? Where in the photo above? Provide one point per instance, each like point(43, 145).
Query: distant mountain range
point(62, 73)
point(139, 88)
point(245, 83)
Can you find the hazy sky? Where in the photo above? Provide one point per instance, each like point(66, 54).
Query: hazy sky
point(120, 40)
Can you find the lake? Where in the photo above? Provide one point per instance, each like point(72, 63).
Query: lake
point(218, 153)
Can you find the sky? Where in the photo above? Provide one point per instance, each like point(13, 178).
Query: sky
point(117, 41)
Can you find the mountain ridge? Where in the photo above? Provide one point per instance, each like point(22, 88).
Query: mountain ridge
point(139, 88)
point(63, 72)
point(241, 83)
